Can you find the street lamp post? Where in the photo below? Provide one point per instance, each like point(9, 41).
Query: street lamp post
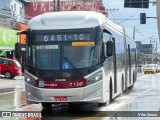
point(150, 49)
point(153, 48)
point(58, 5)
point(54, 3)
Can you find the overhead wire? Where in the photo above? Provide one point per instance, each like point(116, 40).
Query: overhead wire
point(117, 14)
point(120, 15)
point(114, 17)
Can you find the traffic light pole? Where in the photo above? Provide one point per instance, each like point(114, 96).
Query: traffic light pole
point(152, 17)
point(143, 18)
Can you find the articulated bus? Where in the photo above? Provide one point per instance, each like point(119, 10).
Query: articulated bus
point(77, 57)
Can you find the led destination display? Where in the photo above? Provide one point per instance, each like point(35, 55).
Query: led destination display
point(63, 37)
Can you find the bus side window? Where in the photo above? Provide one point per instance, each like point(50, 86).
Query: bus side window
point(107, 36)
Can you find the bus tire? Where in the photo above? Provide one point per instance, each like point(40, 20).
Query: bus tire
point(133, 82)
point(46, 105)
point(73, 107)
point(102, 104)
point(122, 84)
point(110, 95)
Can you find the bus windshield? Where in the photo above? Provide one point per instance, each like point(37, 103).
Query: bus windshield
point(80, 56)
point(48, 56)
point(51, 55)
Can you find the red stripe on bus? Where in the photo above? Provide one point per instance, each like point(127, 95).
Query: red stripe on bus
point(62, 84)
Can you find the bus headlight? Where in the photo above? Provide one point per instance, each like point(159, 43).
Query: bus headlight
point(95, 78)
point(30, 81)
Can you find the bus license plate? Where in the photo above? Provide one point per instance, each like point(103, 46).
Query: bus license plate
point(60, 98)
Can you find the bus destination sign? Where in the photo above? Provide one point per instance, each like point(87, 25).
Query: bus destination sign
point(62, 37)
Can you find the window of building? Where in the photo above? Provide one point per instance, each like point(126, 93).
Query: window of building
point(20, 10)
point(15, 7)
point(11, 7)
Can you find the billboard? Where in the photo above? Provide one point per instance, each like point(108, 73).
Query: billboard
point(36, 8)
point(136, 3)
point(8, 38)
point(22, 37)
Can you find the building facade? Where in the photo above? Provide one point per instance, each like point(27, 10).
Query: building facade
point(17, 12)
point(36, 8)
point(11, 14)
point(145, 53)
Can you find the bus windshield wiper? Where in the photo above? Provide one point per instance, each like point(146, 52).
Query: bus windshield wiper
point(89, 66)
point(73, 66)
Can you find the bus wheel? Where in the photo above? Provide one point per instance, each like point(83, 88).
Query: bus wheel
point(72, 107)
point(122, 84)
point(133, 82)
point(46, 105)
point(110, 95)
point(102, 104)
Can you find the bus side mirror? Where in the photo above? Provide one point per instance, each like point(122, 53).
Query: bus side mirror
point(109, 49)
point(18, 50)
point(22, 32)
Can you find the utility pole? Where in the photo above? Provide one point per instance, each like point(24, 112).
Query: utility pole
point(156, 52)
point(156, 47)
point(150, 50)
point(134, 29)
point(58, 5)
point(153, 48)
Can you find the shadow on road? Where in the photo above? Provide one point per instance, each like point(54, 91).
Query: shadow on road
point(69, 111)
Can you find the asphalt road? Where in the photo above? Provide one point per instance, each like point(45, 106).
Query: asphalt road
point(140, 103)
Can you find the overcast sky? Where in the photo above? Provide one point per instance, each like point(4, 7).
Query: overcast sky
point(143, 31)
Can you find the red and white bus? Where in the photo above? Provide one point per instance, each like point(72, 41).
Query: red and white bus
point(77, 56)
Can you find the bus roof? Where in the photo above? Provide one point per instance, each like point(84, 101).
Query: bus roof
point(67, 20)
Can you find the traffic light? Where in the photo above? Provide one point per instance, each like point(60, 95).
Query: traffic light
point(143, 18)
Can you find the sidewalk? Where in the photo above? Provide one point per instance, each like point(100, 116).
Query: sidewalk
point(17, 82)
point(140, 74)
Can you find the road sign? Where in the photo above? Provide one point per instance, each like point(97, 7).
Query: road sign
point(136, 3)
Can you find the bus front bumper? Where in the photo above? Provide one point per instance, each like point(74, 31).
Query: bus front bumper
point(91, 93)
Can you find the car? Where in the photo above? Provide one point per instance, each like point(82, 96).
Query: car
point(150, 68)
point(10, 67)
point(158, 68)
